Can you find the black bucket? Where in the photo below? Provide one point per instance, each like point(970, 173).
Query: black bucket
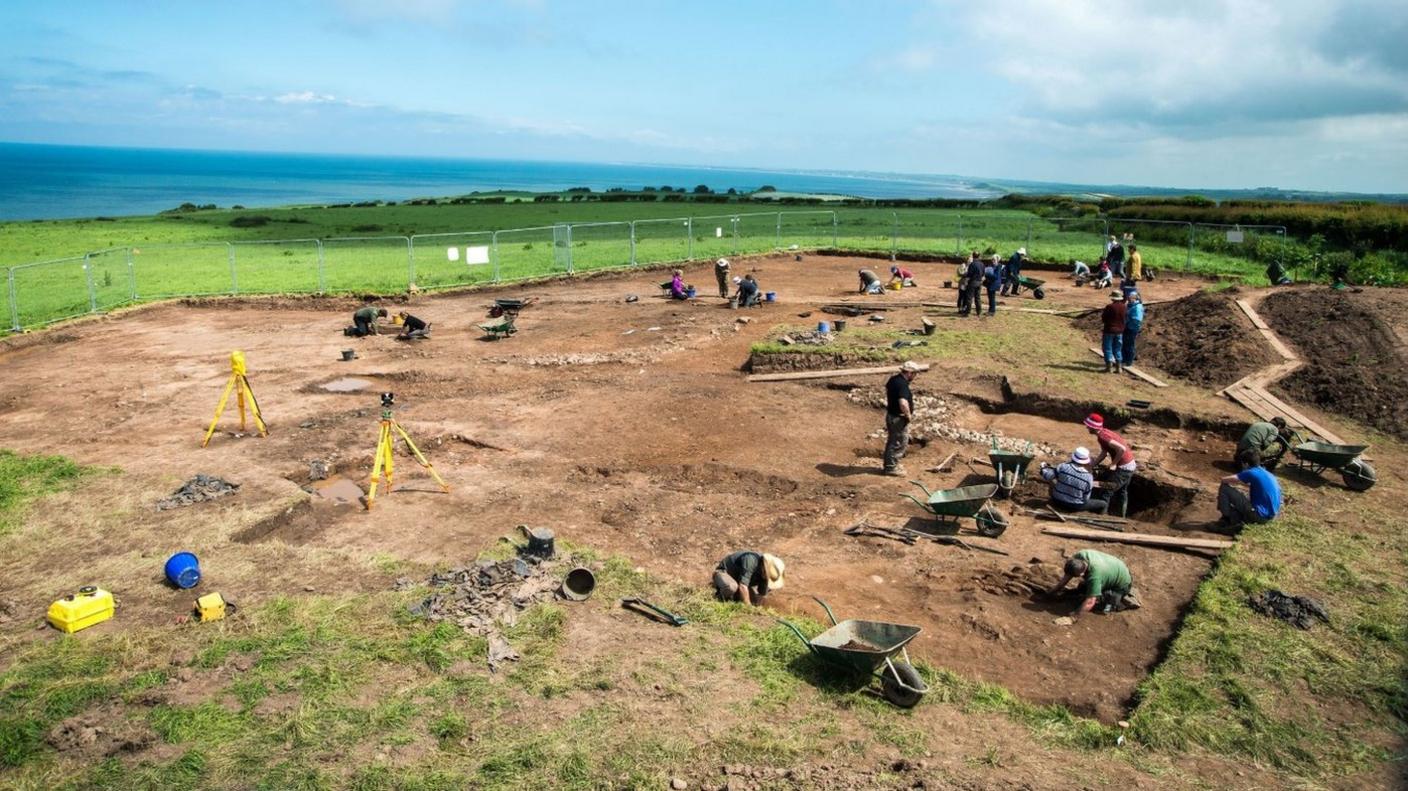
point(541, 541)
point(579, 584)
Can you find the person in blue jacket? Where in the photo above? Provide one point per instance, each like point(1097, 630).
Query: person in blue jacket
point(1133, 323)
point(1261, 503)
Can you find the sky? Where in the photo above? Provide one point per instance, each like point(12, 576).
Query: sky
point(1297, 94)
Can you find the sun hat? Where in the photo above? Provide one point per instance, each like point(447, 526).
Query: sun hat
point(722, 262)
point(996, 259)
point(737, 280)
point(1095, 421)
point(894, 269)
point(910, 365)
point(1116, 295)
point(774, 567)
point(1081, 456)
point(1021, 251)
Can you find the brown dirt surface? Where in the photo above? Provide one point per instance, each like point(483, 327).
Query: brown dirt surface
point(1203, 338)
point(1353, 344)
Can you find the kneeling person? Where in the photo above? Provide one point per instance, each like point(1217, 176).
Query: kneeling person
point(412, 328)
point(747, 576)
point(1261, 504)
point(1106, 582)
point(1072, 484)
point(364, 321)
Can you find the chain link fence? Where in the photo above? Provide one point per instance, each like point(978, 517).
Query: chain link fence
point(49, 291)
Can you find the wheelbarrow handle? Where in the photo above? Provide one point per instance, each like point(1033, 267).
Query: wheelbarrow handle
point(826, 607)
point(918, 501)
point(800, 636)
point(923, 488)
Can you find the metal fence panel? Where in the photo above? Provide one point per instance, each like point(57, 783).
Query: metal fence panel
point(526, 252)
point(600, 245)
point(812, 230)
point(111, 275)
point(662, 241)
point(181, 270)
point(436, 269)
point(714, 236)
point(934, 231)
point(756, 233)
point(50, 291)
point(1067, 239)
point(1244, 250)
point(375, 264)
point(276, 267)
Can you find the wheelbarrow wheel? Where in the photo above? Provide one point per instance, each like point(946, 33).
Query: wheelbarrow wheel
point(1359, 476)
point(898, 695)
point(990, 523)
point(1039, 292)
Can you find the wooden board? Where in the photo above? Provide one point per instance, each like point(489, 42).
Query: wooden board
point(1266, 331)
point(1142, 539)
point(796, 375)
point(1132, 371)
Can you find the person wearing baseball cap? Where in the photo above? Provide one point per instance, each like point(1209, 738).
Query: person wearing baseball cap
point(747, 576)
point(899, 410)
point(1122, 463)
point(1072, 484)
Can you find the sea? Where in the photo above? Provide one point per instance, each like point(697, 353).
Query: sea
point(62, 182)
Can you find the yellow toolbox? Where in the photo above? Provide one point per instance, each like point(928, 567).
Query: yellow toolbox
point(211, 607)
point(91, 605)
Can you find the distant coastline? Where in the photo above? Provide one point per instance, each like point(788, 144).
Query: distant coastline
point(65, 182)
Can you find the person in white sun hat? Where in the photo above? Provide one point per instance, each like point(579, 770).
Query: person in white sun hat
point(721, 275)
point(1010, 284)
point(747, 576)
point(1072, 484)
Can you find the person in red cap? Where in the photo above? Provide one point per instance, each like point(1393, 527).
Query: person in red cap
point(1122, 463)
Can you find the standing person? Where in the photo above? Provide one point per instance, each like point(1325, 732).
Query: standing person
point(899, 410)
point(747, 576)
point(870, 282)
point(1105, 582)
point(1136, 263)
point(993, 282)
point(721, 275)
point(1116, 258)
point(975, 284)
point(1112, 319)
point(1133, 323)
point(1072, 485)
point(1264, 502)
point(1011, 281)
point(364, 321)
point(963, 293)
point(1122, 463)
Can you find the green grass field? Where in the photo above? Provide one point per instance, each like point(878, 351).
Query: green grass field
point(96, 265)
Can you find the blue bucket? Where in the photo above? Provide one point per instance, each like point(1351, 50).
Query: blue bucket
point(690, 292)
point(823, 327)
point(771, 296)
point(183, 570)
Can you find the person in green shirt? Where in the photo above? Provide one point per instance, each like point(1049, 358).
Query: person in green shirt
point(1105, 582)
point(1269, 440)
point(364, 321)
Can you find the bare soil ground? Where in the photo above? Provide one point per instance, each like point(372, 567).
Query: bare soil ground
point(1355, 344)
point(1204, 339)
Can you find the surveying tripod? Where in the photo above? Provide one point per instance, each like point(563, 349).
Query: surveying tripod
point(244, 396)
point(385, 444)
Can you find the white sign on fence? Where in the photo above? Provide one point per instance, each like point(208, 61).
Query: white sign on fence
point(476, 255)
point(718, 233)
point(1234, 237)
point(452, 253)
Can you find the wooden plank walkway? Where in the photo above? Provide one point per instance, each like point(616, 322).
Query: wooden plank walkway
point(1132, 371)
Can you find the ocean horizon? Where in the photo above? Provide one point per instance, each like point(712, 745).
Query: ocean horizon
point(39, 181)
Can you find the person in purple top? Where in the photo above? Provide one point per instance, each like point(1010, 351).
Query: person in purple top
point(1260, 504)
point(677, 287)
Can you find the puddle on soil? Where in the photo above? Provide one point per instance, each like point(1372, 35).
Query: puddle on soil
point(346, 384)
point(337, 490)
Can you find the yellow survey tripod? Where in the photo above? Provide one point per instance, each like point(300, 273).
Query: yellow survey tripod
point(384, 445)
point(244, 396)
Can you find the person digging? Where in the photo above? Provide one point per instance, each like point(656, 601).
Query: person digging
point(904, 277)
point(1260, 504)
point(1072, 485)
point(869, 282)
point(1269, 440)
point(1122, 463)
point(364, 322)
point(899, 410)
point(748, 295)
point(1106, 584)
point(747, 576)
point(412, 328)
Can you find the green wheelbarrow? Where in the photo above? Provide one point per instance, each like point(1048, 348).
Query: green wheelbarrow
point(950, 505)
point(1345, 459)
point(1037, 287)
point(1011, 467)
point(869, 648)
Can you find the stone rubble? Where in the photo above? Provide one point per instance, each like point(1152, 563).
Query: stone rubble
point(934, 420)
point(198, 490)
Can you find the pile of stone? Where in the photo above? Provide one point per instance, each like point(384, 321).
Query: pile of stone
point(807, 338)
point(198, 490)
point(487, 597)
point(934, 419)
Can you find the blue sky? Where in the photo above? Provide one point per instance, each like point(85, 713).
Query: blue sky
point(1309, 94)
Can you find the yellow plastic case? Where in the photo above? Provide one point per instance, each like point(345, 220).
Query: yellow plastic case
point(210, 607)
point(91, 605)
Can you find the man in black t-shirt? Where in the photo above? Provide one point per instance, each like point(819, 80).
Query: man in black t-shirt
point(899, 409)
point(412, 327)
point(747, 576)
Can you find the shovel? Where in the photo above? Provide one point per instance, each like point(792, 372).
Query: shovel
point(641, 606)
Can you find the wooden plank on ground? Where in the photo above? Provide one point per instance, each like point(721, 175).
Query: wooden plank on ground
point(1294, 416)
point(1255, 405)
point(1252, 314)
point(1132, 371)
point(1142, 539)
point(1040, 310)
point(796, 375)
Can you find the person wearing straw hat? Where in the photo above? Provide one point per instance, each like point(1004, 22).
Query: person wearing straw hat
point(1010, 280)
point(1072, 484)
point(721, 275)
point(1112, 319)
point(747, 576)
point(899, 410)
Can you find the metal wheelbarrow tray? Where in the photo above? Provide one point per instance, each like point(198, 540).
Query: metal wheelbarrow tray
point(1010, 461)
point(1344, 459)
point(865, 647)
point(950, 505)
